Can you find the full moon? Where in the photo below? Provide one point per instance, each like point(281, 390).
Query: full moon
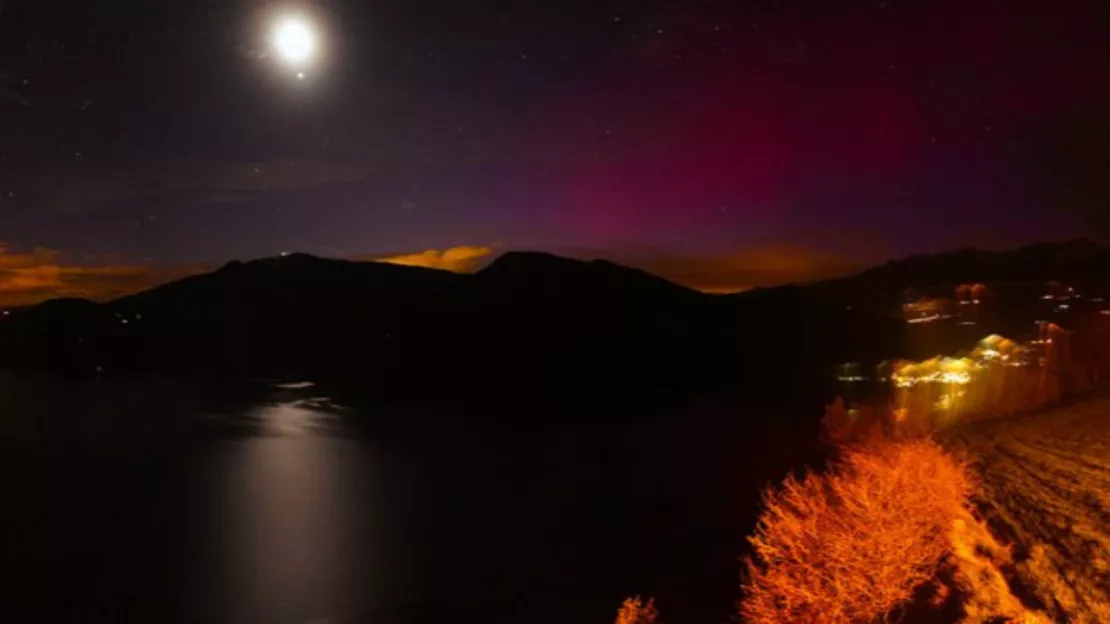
point(294, 40)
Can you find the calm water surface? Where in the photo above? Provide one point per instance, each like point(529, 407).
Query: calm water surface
point(162, 501)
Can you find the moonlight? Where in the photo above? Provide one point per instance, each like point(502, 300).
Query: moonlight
point(294, 40)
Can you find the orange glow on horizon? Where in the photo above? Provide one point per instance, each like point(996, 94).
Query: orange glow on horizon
point(461, 259)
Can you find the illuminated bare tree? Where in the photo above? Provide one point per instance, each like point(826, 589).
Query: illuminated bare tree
point(853, 544)
point(636, 611)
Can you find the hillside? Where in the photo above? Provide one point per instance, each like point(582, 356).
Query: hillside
point(1045, 480)
point(527, 323)
point(1078, 262)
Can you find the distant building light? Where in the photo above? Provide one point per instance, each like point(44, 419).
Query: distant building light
point(965, 303)
point(1047, 297)
point(125, 321)
point(975, 301)
point(956, 378)
point(1063, 306)
point(1102, 312)
point(924, 319)
point(945, 377)
point(967, 323)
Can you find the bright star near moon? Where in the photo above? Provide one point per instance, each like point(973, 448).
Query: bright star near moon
point(294, 39)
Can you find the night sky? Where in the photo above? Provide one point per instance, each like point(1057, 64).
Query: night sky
point(722, 144)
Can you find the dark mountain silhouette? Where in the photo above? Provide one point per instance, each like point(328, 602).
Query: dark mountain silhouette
point(542, 274)
point(1079, 262)
point(529, 324)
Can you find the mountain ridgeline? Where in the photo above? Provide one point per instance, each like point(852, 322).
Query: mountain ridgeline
point(1079, 262)
point(529, 324)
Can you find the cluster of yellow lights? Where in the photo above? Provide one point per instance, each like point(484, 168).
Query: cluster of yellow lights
point(993, 349)
point(937, 370)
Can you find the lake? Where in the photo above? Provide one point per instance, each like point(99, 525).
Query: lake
point(158, 500)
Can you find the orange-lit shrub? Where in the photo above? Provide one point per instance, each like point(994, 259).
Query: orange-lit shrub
point(635, 611)
point(852, 544)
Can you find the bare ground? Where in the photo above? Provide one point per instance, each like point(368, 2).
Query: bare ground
point(1045, 490)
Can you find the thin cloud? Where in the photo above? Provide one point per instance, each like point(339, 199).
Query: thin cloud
point(461, 259)
point(34, 277)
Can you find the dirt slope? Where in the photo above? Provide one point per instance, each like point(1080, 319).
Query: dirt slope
point(1045, 489)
